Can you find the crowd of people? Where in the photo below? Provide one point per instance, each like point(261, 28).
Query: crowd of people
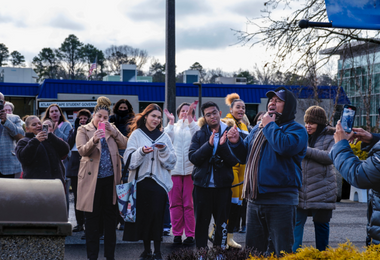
point(271, 174)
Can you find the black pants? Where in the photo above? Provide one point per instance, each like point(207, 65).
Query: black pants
point(103, 206)
point(207, 202)
point(9, 176)
point(79, 215)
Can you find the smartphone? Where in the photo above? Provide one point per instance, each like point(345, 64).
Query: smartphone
point(348, 117)
point(102, 126)
point(1, 104)
point(45, 128)
point(159, 143)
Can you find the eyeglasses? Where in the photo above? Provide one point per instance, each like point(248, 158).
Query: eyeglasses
point(213, 114)
point(275, 100)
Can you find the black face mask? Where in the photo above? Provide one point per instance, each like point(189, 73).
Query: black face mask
point(123, 113)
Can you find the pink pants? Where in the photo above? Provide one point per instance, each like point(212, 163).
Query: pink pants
point(181, 206)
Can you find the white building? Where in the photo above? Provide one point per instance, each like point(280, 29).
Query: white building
point(17, 75)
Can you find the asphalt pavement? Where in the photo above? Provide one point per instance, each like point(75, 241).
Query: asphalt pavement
point(348, 223)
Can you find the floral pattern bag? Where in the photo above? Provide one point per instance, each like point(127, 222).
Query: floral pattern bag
point(126, 196)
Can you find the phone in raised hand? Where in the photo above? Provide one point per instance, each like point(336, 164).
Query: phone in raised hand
point(348, 118)
point(103, 127)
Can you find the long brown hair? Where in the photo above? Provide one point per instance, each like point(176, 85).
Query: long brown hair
point(62, 118)
point(139, 120)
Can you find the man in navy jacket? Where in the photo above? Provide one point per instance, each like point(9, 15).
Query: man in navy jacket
point(212, 176)
point(273, 153)
point(361, 174)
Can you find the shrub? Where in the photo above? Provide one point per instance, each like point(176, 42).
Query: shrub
point(356, 148)
point(344, 251)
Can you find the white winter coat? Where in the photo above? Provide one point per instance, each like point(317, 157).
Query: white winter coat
point(181, 133)
point(155, 165)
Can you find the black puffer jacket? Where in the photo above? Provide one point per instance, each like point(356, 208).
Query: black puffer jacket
point(42, 160)
point(200, 153)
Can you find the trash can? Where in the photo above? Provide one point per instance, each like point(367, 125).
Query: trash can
point(33, 219)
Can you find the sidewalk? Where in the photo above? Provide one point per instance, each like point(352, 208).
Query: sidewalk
point(348, 223)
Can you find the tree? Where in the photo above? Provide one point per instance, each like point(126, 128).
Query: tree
point(89, 55)
point(289, 41)
point(326, 80)
point(71, 56)
point(212, 74)
point(202, 73)
point(17, 59)
point(124, 54)
point(4, 54)
point(245, 73)
point(47, 64)
point(157, 71)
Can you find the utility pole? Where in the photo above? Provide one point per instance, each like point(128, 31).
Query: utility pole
point(170, 86)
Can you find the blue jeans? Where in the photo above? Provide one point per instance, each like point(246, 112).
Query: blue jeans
point(322, 230)
point(167, 222)
point(270, 222)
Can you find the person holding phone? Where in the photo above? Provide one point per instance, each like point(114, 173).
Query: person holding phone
point(11, 131)
point(317, 195)
point(361, 174)
point(155, 161)
point(180, 197)
point(99, 173)
point(40, 153)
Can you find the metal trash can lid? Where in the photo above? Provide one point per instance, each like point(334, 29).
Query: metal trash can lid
point(28, 207)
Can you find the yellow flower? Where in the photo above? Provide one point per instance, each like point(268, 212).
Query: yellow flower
point(344, 251)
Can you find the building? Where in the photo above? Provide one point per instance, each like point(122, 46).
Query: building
point(231, 80)
point(17, 75)
point(73, 95)
point(359, 73)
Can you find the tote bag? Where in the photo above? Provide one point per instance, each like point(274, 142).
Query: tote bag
point(126, 195)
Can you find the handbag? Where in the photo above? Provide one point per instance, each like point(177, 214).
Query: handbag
point(126, 195)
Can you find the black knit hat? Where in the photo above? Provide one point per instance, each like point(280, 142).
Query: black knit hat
point(84, 112)
point(315, 115)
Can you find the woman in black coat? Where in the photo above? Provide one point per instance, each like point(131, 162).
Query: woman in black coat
point(41, 153)
point(83, 118)
point(122, 118)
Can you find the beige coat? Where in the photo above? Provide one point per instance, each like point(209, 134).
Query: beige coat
point(89, 164)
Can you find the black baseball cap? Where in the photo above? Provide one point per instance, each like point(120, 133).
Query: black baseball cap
point(280, 94)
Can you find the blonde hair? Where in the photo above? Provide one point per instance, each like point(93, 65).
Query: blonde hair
point(103, 103)
point(232, 98)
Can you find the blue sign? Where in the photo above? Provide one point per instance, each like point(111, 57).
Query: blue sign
point(354, 14)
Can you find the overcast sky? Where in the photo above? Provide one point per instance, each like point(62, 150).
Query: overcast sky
point(203, 28)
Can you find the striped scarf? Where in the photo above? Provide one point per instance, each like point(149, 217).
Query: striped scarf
point(252, 166)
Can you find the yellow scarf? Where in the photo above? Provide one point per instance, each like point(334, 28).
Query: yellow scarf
point(240, 125)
